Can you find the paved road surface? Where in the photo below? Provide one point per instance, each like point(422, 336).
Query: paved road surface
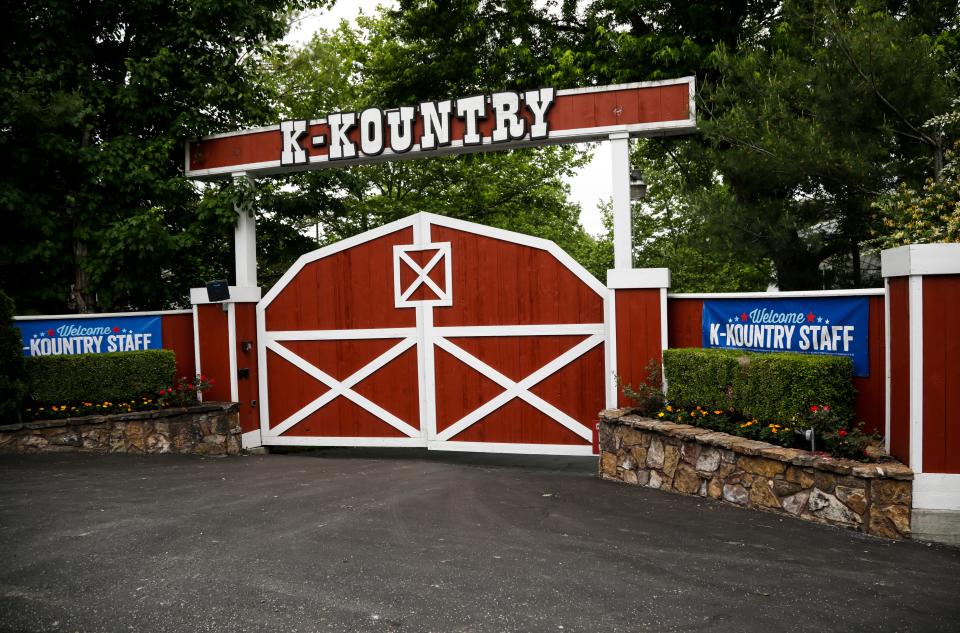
point(359, 540)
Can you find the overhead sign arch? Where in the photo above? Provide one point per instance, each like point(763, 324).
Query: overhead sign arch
point(494, 121)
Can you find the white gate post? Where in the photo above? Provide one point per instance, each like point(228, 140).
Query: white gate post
point(622, 220)
point(245, 239)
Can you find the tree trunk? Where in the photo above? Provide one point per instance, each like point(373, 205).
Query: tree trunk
point(79, 289)
point(855, 254)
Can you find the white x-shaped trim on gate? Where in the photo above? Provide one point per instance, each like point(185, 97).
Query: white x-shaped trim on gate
point(521, 389)
point(402, 296)
point(344, 387)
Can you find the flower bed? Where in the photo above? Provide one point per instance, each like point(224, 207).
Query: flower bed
point(818, 427)
point(206, 429)
point(873, 498)
point(183, 393)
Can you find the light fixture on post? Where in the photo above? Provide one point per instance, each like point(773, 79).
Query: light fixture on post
point(638, 187)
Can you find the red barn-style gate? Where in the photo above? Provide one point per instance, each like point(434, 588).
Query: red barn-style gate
point(434, 332)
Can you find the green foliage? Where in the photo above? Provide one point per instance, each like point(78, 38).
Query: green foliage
point(12, 386)
point(772, 387)
point(648, 396)
point(781, 386)
point(929, 215)
point(671, 231)
point(352, 68)
point(836, 434)
point(812, 119)
point(121, 376)
point(96, 101)
point(701, 377)
point(184, 392)
point(735, 423)
point(808, 112)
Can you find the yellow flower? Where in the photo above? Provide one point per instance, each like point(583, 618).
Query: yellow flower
point(660, 415)
point(669, 408)
point(717, 412)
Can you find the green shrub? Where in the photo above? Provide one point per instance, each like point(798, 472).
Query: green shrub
point(766, 386)
point(701, 377)
point(12, 385)
point(57, 380)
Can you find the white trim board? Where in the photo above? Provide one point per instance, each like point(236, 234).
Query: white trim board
point(936, 491)
point(573, 450)
point(788, 294)
point(238, 294)
point(637, 278)
point(99, 315)
point(915, 299)
point(921, 259)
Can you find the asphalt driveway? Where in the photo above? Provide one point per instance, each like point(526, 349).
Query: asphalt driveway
point(356, 540)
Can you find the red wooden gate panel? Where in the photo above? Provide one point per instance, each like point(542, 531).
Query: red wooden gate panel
point(434, 332)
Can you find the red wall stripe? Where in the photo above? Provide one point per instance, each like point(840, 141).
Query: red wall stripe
point(214, 350)
point(941, 373)
point(177, 333)
point(248, 388)
point(638, 336)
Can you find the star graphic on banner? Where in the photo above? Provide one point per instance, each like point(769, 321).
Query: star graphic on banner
point(828, 321)
point(819, 319)
point(729, 320)
point(810, 317)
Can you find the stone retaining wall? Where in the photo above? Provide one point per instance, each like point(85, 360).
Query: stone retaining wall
point(207, 429)
point(874, 498)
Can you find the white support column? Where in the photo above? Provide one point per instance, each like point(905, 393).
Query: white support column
point(622, 220)
point(245, 240)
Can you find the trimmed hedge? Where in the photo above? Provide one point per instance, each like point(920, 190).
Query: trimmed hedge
point(116, 377)
point(767, 386)
point(12, 386)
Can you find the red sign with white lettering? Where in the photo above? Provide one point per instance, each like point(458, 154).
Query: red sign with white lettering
point(500, 120)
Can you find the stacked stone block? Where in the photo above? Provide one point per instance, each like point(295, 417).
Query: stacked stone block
point(874, 498)
point(207, 429)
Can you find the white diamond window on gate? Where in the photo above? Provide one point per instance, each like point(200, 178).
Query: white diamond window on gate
point(422, 275)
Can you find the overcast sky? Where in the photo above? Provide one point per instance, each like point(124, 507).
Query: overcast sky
point(591, 185)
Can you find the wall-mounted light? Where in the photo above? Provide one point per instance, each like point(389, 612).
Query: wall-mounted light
point(638, 187)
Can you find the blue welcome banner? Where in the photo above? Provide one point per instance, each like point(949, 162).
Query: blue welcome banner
point(821, 325)
point(100, 335)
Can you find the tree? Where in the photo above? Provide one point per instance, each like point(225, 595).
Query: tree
point(928, 215)
point(810, 123)
point(97, 99)
point(520, 190)
point(12, 383)
point(670, 231)
point(807, 110)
